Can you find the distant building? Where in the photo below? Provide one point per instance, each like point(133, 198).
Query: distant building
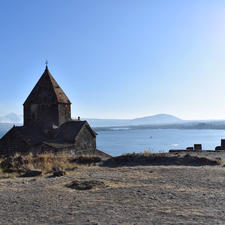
point(48, 125)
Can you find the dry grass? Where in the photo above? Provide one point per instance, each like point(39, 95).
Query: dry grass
point(12, 166)
point(45, 162)
point(87, 160)
point(148, 158)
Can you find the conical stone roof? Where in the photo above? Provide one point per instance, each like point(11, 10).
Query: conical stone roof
point(47, 91)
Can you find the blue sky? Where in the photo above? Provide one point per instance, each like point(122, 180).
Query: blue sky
point(117, 58)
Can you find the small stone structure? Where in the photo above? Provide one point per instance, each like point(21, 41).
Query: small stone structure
point(197, 147)
point(222, 146)
point(48, 126)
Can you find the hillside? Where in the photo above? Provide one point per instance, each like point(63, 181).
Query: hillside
point(148, 120)
point(156, 119)
point(11, 118)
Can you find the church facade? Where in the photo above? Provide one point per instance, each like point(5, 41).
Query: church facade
point(48, 126)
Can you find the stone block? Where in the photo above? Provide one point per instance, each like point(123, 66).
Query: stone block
point(197, 147)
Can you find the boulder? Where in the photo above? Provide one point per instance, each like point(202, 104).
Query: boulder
point(32, 173)
point(58, 172)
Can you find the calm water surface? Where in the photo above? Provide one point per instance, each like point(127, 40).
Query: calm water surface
point(118, 142)
point(156, 140)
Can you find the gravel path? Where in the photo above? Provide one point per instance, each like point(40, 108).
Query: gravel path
point(133, 195)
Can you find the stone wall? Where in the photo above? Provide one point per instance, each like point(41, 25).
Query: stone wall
point(12, 143)
point(64, 112)
point(25, 140)
point(85, 142)
point(46, 115)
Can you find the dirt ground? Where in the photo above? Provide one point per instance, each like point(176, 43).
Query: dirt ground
point(132, 195)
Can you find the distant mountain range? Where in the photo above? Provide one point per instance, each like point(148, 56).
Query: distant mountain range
point(159, 121)
point(162, 121)
point(156, 119)
point(11, 118)
point(149, 120)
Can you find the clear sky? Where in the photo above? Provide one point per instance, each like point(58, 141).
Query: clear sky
point(117, 58)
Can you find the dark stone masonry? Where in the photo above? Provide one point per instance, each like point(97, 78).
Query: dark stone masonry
point(222, 146)
point(48, 126)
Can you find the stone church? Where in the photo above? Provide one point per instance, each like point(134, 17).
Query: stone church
point(48, 126)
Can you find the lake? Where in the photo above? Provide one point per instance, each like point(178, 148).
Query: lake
point(118, 142)
point(122, 141)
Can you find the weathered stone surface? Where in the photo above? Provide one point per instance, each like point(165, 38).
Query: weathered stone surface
point(223, 144)
point(197, 147)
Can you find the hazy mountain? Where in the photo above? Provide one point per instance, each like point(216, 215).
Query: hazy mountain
point(11, 118)
point(107, 122)
point(163, 121)
point(157, 119)
point(7, 122)
point(149, 120)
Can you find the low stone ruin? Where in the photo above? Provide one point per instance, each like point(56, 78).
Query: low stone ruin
point(197, 147)
point(222, 146)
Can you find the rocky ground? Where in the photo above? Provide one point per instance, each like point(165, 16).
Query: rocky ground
point(130, 195)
